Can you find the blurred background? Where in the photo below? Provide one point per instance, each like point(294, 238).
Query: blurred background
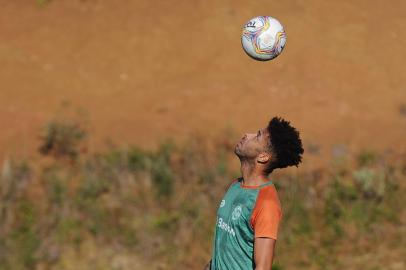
point(119, 120)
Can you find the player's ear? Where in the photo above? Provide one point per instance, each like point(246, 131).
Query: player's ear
point(263, 157)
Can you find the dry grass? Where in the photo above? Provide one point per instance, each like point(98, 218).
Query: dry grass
point(128, 208)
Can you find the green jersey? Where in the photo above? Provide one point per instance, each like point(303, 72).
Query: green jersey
point(244, 213)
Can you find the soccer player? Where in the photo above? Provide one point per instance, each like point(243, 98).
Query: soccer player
point(249, 214)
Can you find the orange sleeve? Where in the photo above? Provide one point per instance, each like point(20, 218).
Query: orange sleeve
point(267, 213)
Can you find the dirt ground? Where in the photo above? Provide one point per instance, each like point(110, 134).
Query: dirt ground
point(147, 70)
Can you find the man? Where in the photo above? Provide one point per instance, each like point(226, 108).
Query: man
point(249, 214)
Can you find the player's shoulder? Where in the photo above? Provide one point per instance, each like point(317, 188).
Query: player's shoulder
point(233, 182)
point(268, 195)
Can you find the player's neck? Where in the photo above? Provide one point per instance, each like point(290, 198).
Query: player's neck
point(251, 175)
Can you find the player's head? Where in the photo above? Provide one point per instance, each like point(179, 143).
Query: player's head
point(276, 146)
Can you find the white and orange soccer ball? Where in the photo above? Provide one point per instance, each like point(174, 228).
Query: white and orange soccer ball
point(263, 38)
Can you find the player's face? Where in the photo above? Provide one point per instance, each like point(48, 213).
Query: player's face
point(252, 144)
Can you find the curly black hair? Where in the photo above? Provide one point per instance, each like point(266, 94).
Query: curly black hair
point(285, 144)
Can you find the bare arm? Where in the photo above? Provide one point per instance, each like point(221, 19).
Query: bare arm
point(263, 253)
point(207, 267)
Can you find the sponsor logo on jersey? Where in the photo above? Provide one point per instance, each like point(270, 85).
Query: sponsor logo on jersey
point(224, 226)
point(223, 202)
point(236, 212)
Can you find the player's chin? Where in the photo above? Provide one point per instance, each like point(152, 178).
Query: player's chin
point(237, 150)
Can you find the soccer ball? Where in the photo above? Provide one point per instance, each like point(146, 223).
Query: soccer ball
point(263, 38)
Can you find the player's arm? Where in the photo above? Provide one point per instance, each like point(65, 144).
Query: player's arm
point(207, 267)
point(265, 221)
point(263, 252)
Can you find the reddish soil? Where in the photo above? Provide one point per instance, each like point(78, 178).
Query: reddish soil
point(146, 70)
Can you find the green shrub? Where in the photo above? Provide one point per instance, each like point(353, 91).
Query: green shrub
point(62, 139)
point(161, 171)
point(367, 158)
point(24, 237)
point(137, 159)
point(371, 182)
